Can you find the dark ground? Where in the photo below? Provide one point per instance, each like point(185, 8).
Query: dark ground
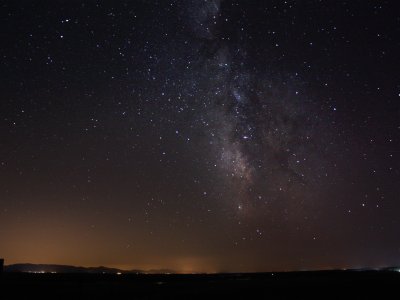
point(318, 285)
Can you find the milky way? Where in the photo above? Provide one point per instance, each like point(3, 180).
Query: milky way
point(260, 124)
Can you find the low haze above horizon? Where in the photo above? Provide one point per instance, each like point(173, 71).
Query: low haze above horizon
point(200, 135)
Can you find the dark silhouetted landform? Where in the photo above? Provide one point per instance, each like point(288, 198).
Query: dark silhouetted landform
point(48, 268)
point(51, 268)
point(288, 285)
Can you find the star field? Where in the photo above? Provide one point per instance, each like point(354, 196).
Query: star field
point(200, 136)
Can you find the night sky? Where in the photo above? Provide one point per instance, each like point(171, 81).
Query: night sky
point(200, 136)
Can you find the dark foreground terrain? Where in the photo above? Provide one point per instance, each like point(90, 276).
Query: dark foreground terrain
point(317, 285)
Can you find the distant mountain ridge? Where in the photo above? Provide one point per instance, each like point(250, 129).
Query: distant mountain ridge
point(65, 269)
point(49, 268)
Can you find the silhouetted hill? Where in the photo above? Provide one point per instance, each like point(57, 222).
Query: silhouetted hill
point(47, 268)
point(43, 268)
